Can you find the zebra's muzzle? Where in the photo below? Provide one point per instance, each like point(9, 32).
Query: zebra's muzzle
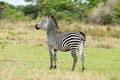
point(37, 27)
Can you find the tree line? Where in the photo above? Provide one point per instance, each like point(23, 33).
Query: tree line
point(95, 11)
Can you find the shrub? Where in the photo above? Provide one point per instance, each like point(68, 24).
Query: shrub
point(105, 14)
point(31, 10)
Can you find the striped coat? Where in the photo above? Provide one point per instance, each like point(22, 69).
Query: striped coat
point(62, 41)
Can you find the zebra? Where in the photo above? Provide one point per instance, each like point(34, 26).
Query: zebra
point(62, 41)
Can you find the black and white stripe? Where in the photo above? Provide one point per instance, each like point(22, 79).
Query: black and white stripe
point(72, 40)
point(63, 41)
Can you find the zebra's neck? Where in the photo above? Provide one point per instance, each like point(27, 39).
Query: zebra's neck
point(52, 28)
point(51, 32)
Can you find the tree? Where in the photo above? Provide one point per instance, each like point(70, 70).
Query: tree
point(30, 10)
point(2, 4)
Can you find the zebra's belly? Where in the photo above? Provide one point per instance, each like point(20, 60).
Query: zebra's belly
point(62, 49)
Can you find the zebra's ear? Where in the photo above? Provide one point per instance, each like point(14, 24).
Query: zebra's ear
point(52, 16)
point(47, 14)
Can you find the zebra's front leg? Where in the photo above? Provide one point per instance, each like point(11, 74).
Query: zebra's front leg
point(51, 58)
point(55, 59)
point(73, 52)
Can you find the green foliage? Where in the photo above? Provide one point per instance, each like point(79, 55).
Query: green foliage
point(30, 10)
point(105, 13)
point(68, 10)
point(113, 17)
point(14, 14)
point(117, 14)
point(2, 4)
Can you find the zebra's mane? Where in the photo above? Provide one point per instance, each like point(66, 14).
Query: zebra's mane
point(49, 15)
point(54, 20)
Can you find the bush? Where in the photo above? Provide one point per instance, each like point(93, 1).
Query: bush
point(13, 14)
point(105, 14)
point(31, 10)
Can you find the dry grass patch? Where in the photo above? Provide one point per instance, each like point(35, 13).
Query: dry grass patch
point(23, 32)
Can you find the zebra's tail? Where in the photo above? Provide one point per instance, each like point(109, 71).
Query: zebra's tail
point(84, 38)
point(81, 46)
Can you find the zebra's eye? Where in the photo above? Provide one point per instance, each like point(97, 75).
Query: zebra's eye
point(44, 21)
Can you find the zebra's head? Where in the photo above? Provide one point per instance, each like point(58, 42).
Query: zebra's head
point(46, 22)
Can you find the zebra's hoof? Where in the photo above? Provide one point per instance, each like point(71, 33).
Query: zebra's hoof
point(55, 67)
point(50, 67)
point(83, 69)
point(72, 69)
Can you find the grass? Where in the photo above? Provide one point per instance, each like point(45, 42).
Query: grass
point(23, 32)
point(21, 62)
point(24, 55)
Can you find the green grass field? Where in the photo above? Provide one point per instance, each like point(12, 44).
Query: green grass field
point(23, 62)
point(24, 55)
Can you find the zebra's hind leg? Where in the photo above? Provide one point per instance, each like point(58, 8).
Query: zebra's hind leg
point(82, 59)
point(73, 52)
point(81, 55)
